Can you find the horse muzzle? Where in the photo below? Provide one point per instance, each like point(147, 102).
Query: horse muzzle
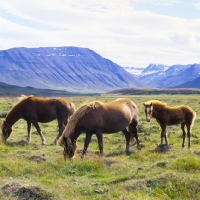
point(148, 119)
point(3, 138)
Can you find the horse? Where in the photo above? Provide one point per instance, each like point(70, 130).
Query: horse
point(37, 109)
point(98, 118)
point(166, 116)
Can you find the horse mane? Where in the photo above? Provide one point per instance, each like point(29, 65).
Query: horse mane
point(20, 99)
point(84, 109)
point(23, 97)
point(156, 103)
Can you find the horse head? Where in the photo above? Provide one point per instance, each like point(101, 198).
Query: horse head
point(6, 131)
point(69, 147)
point(148, 110)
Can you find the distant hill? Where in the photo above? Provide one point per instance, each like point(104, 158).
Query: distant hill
point(11, 90)
point(71, 69)
point(150, 91)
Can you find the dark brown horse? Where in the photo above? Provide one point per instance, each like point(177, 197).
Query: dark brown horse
point(167, 116)
point(34, 110)
point(98, 118)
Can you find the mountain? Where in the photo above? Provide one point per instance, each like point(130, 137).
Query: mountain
point(161, 76)
point(182, 76)
point(190, 84)
point(134, 70)
point(63, 68)
point(153, 75)
point(154, 68)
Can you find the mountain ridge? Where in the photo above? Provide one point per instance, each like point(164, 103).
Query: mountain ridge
point(162, 76)
point(82, 70)
point(73, 69)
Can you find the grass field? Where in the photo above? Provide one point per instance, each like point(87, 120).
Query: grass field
point(35, 171)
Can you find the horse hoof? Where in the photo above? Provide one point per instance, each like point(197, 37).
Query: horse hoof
point(43, 142)
point(82, 156)
point(163, 145)
point(139, 147)
point(128, 152)
point(26, 141)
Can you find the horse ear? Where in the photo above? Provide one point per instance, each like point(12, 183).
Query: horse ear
point(151, 104)
point(144, 104)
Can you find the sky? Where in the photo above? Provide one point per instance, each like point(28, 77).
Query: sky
point(131, 33)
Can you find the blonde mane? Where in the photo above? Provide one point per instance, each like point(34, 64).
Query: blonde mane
point(85, 109)
point(156, 103)
point(22, 97)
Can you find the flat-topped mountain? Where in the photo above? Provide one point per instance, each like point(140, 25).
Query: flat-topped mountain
point(63, 68)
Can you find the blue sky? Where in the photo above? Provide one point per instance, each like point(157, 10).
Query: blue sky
point(128, 32)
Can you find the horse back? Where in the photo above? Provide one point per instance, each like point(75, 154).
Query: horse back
point(45, 109)
point(112, 117)
point(179, 114)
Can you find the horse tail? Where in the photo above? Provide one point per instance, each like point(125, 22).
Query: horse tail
point(73, 108)
point(132, 129)
point(193, 119)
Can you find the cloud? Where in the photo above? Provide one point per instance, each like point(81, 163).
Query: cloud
point(197, 5)
point(114, 29)
point(157, 2)
point(182, 38)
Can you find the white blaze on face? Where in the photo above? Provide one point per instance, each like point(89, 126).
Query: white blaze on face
point(148, 110)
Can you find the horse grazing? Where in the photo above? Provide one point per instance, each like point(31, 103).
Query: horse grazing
point(166, 116)
point(98, 118)
point(33, 110)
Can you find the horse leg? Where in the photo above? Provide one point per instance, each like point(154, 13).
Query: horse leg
point(36, 125)
point(127, 137)
point(188, 134)
point(86, 144)
point(184, 133)
point(29, 132)
point(100, 141)
point(164, 134)
point(134, 131)
point(61, 129)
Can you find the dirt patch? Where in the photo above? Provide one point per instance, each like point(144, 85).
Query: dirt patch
point(38, 159)
point(161, 164)
point(18, 191)
point(18, 143)
point(157, 181)
point(197, 153)
point(162, 148)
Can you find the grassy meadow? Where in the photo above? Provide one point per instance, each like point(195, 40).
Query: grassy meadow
point(38, 171)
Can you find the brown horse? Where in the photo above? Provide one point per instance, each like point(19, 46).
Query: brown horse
point(98, 118)
point(34, 110)
point(167, 116)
